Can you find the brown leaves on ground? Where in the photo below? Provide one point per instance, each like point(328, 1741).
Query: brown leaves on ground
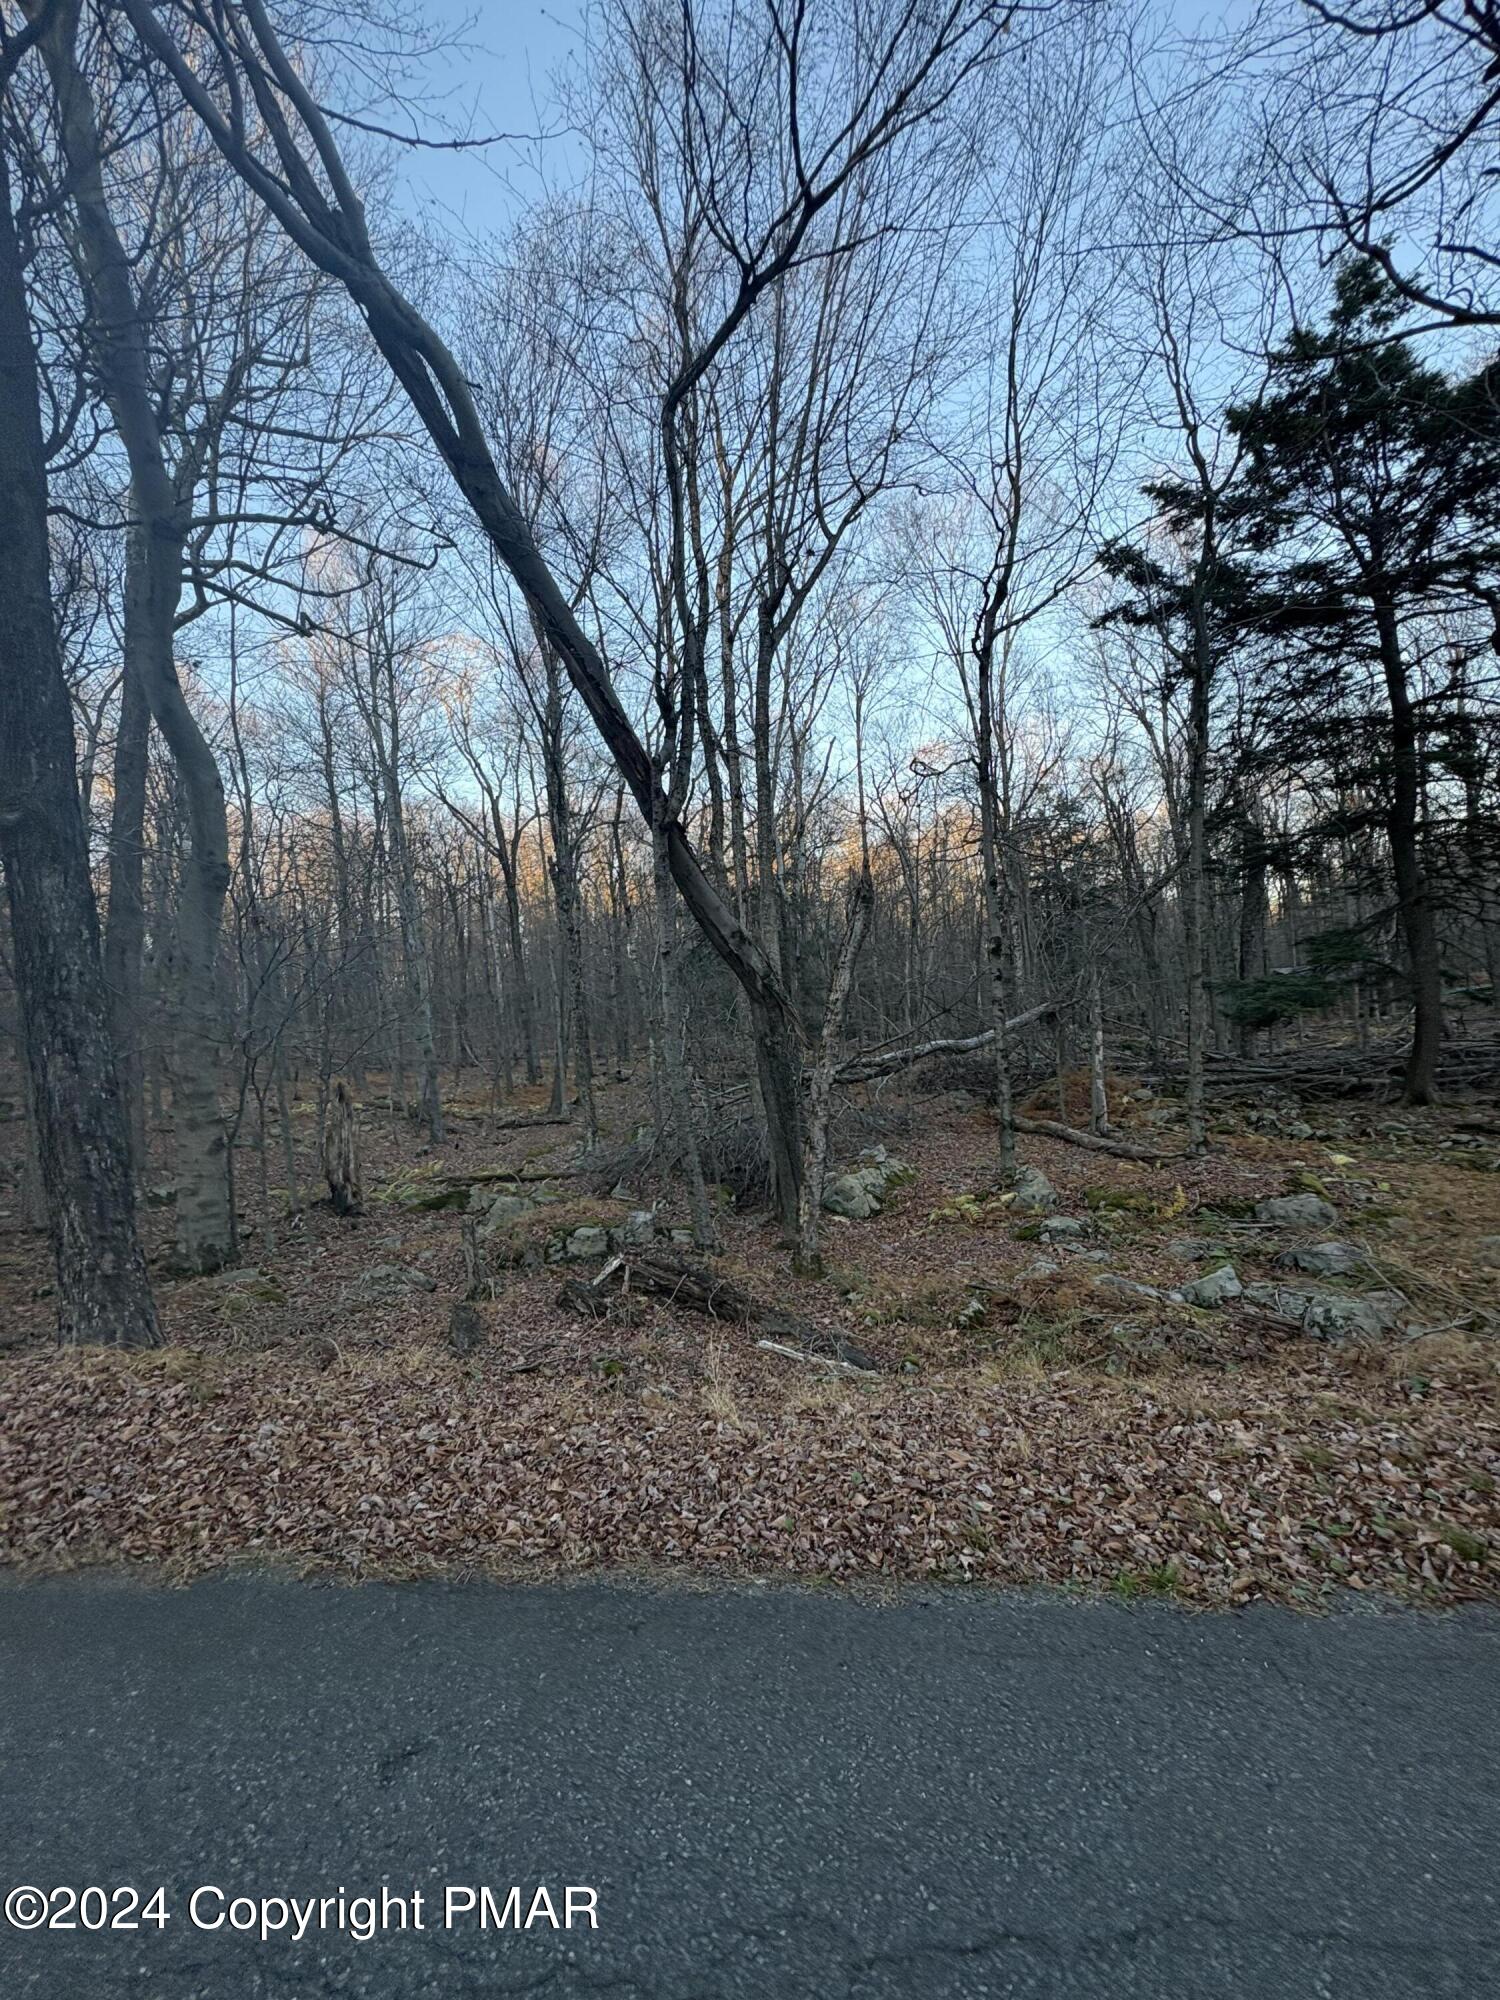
point(424, 1464)
point(1226, 1461)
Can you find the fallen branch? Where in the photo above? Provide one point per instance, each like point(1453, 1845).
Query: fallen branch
point(1344, 1070)
point(815, 1360)
point(702, 1290)
point(1094, 1142)
point(859, 1069)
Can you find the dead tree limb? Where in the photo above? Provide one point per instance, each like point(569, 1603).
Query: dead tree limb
point(1094, 1142)
point(702, 1290)
point(861, 1069)
point(815, 1360)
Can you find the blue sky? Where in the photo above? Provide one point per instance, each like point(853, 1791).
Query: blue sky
point(493, 78)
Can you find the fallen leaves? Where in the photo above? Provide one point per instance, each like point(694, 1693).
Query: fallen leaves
point(1071, 1481)
point(1227, 1465)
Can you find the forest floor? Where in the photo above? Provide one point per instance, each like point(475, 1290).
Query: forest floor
point(1047, 1406)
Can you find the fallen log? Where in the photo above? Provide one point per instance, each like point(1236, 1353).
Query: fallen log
point(1094, 1142)
point(702, 1290)
point(1344, 1070)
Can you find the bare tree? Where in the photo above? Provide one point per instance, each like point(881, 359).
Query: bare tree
point(83, 1143)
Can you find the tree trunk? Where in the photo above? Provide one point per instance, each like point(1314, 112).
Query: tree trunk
point(1194, 915)
point(1413, 896)
point(82, 1142)
point(809, 1260)
point(676, 1082)
point(507, 854)
point(125, 925)
point(1253, 910)
point(153, 586)
point(417, 976)
point(1098, 1092)
point(572, 1003)
point(997, 935)
point(341, 1153)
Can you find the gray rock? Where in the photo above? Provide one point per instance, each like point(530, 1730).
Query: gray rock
point(522, 1252)
point(504, 1211)
point(237, 1279)
point(1034, 1192)
point(1193, 1249)
point(382, 1283)
point(1057, 1226)
point(636, 1232)
point(1126, 1288)
point(860, 1191)
point(1331, 1315)
point(1325, 1260)
point(1487, 1252)
point(1042, 1267)
point(892, 1171)
point(851, 1195)
point(427, 1196)
point(1337, 1316)
point(1286, 1301)
point(588, 1241)
point(1215, 1288)
point(1297, 1211)
point(1298, 1128)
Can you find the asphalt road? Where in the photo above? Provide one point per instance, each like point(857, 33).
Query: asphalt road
point(774, 1795)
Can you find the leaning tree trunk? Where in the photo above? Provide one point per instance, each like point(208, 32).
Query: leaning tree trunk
point(84, 1154)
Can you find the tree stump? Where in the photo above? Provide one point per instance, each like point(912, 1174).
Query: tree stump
point(465, 1328)
point(341, 1153)
point(479, 1282)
